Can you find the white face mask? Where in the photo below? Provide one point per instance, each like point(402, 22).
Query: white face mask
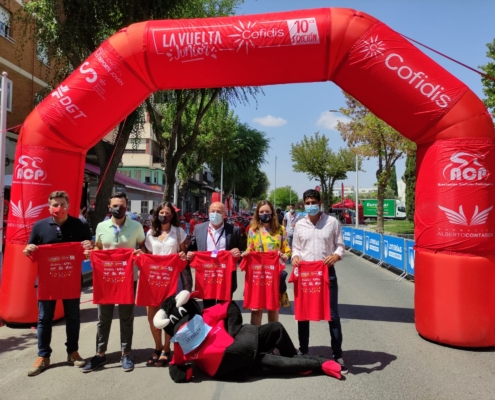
point(215, 218)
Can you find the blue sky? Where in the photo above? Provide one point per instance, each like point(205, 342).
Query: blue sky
point(458, 28)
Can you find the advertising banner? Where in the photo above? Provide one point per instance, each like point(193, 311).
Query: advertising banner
point(393, 251)
point(411, 254)
point(347, 234)
point(373, 245)
point(358, 240)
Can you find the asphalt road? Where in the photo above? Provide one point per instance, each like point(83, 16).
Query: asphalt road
point(387, 359)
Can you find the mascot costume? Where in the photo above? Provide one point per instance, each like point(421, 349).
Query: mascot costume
point(221, 346)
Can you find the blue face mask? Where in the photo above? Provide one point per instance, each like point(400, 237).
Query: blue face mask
point(216, 218)
point(313, 209)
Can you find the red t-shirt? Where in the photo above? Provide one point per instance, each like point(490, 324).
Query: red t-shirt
point(158, 278)
point(192, 224)
point(311, 291)
point(113, 276)
point(213, 274)
point(59, 270)
point(262, 281)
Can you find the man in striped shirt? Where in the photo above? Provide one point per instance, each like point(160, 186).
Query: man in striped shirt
point(318, 236)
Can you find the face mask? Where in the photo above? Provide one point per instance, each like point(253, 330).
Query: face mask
point(118, 212)
point(292, 211)
point(164, 219)
point(265, 218)
point(216, 218)
point(312, 209)
point(59, 212)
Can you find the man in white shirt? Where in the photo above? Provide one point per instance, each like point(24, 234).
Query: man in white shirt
point(290, 220)
point(216, 235)
point(318, 236)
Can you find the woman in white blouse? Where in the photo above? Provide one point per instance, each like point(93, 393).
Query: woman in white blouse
point(165, 237)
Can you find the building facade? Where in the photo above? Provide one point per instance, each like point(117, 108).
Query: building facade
point(27, 70)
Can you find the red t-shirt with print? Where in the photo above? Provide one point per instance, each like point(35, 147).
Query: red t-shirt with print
point(158, 277)
point(311, 291)
point(262, 280)
point(113, 276)
point(59, 270)
point(213, 274)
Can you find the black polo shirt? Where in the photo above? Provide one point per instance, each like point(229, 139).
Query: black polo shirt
point(72, 230)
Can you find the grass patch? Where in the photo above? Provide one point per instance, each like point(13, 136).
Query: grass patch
point(404, 227)
point(395, 226)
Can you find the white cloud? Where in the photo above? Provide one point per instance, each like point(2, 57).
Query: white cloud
point(328, 120)
point(270, 121)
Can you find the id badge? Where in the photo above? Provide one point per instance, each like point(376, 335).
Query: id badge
point(214, 253)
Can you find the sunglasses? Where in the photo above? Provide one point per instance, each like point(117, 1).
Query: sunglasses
point(116, 232)
point(59, 234)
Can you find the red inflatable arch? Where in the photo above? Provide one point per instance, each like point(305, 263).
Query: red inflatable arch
point(455, 220)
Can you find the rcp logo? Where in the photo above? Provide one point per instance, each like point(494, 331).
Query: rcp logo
point(459, 218)
point(465, 167)
point(28, 169)
point(385, 248)
point(31, 212)
point(367, 243)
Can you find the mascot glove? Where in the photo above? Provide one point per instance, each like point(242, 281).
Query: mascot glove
point(331, 368)
point(180, 373)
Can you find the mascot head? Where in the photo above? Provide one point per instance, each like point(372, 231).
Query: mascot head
point(175, 312)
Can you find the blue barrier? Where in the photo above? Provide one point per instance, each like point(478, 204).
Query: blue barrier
point(393, 251)
point(411, 254)
point(358, 240)
point(347, 234)
point(373, 245)
point(86, 267)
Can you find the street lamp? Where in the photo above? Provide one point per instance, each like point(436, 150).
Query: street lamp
point(356, 218)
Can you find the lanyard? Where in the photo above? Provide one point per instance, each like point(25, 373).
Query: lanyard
point(213, 239)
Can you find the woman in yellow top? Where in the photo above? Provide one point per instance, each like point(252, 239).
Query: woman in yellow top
point(266, 234)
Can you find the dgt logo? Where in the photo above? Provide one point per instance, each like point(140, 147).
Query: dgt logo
point(66, 102)
point(28, 169)
point(460, 169)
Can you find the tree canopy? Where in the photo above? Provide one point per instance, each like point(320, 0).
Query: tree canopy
point(369, 136)
point(314, 156)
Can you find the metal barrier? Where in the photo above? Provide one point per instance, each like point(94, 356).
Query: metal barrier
point(391, 250)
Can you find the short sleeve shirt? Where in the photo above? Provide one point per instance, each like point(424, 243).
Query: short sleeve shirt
point(46, 231)
point(170, 245)
point(110, 237)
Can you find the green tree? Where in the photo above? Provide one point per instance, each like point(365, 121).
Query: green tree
point(243, 155)
point(314, 156)
point(369, 136)
point(409, 178)
point(69, 31)
point(392, 183)
point(259, 191)
point(284, 196)
point(489, 84)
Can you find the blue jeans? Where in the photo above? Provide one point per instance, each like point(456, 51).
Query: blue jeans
point(46, 311)
point(334, 324)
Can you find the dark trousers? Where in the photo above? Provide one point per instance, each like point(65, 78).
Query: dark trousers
point(126, 319)
point(46, 311)
point(334, 324)
point(274, 336)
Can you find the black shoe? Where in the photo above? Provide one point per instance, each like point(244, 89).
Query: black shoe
point(301, 353)
point(95, 363)
point(343, 368)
